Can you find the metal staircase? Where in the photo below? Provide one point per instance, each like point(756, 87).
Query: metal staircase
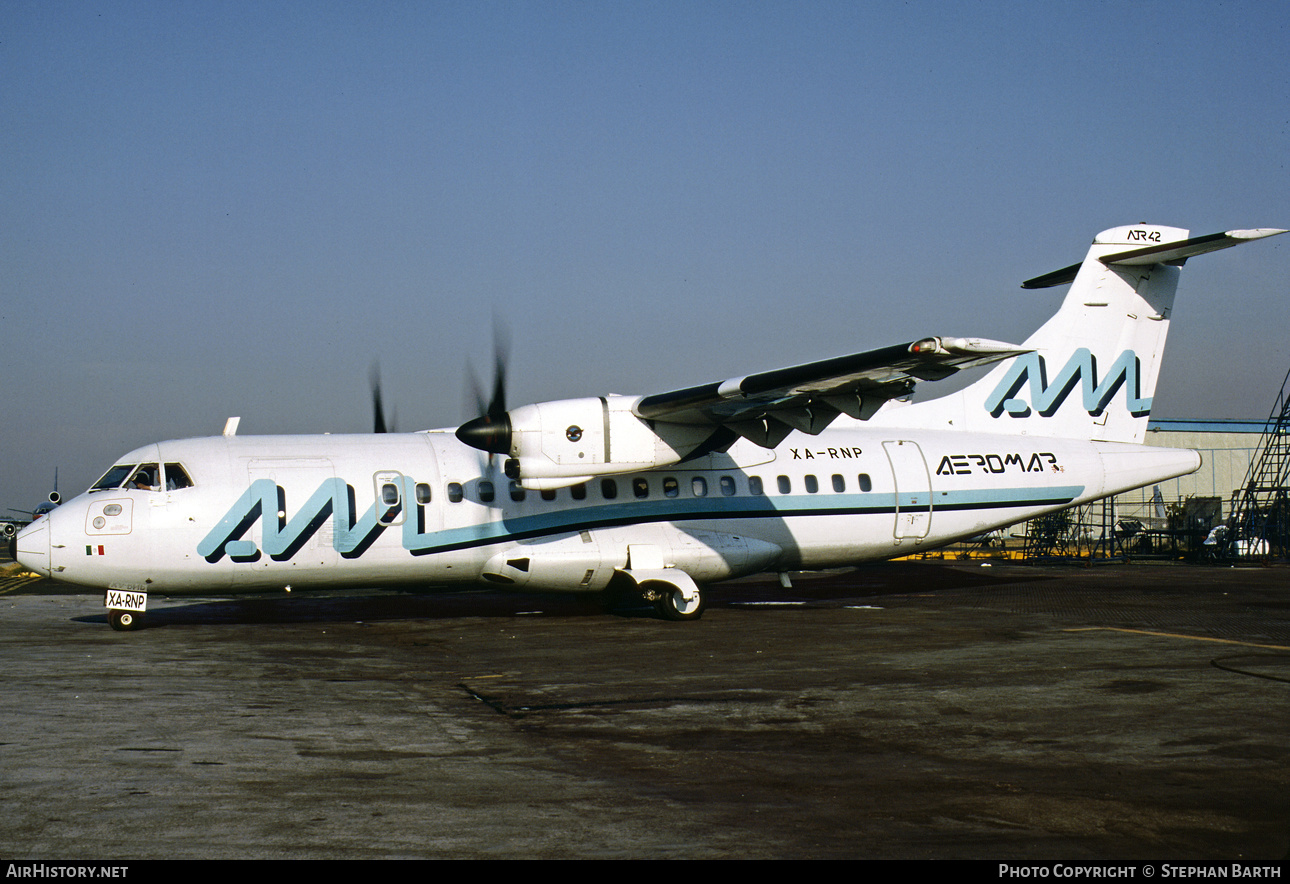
point(1259, 524)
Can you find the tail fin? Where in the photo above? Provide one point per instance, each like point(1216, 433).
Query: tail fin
point(1091, 370)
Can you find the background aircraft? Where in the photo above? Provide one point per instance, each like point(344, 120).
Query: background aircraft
point(10, 527)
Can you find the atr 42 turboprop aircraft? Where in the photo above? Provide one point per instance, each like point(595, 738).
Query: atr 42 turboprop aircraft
point(814, 466)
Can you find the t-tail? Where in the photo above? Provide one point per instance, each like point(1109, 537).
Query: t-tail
point(1090, 371)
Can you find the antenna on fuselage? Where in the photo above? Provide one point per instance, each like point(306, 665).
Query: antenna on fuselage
point(230, 426)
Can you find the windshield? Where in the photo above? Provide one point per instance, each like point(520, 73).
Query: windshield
point(143, 477)
point(113, 477)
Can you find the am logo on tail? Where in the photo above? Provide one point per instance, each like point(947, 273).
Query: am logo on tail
point(812, 466)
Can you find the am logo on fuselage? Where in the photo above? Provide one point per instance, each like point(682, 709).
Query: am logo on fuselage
point(352, 535)
point(1046, 398)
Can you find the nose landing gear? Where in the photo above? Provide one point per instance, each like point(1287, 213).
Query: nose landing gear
point(125, 621)
point(125, 608)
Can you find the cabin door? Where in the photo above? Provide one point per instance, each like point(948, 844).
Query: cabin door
point(913, 484)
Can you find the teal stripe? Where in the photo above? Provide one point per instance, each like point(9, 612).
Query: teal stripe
point(745, 507)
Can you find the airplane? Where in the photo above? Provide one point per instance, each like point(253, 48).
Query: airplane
point(814, 466)
point(10, 526)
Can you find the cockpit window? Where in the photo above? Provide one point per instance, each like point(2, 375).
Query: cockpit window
point(145, 478)
point(177, 477)
point(113, 477)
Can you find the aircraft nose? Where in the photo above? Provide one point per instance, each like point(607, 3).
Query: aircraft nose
point(31, 546)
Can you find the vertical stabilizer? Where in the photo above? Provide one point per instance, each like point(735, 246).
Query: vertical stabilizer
point(1091, 370)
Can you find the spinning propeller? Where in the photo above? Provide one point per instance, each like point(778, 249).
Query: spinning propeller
point(378, 405)
point(491, 431)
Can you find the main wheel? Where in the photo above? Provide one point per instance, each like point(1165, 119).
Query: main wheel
point(673, 605)
point(124, 621)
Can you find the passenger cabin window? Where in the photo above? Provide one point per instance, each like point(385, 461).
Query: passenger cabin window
point(177, 477)
point(755, 486)
point(785, 486)
point(640, 487)
point(671, 488)
point(727, 486)
point(517, 491)
point(608, 489)
point(423, 493)
point(548, 494)
point(865, 484)
point(839, 483)
point(699, 486)
point(486, 492)
point(579, 491)
point(389, 494)
point(455, 493)
point(812, 485)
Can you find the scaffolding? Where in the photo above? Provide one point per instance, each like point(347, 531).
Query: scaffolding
point(1120, 530)
point(1259, 524)
point(1075, 533)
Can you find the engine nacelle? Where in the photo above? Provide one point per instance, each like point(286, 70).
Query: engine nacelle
point(561, 443)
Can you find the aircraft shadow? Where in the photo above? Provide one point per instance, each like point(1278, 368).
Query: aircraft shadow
point(831, 589)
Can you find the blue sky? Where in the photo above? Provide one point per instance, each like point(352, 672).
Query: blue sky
point(229, 208)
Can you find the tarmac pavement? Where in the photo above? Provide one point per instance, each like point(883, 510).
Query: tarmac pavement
point(906, 710)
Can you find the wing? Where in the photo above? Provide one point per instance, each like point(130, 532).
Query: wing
point(765, 407)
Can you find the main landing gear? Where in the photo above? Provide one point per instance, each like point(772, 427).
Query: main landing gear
point(673, 603)
point(672, 592)
point(674, 597)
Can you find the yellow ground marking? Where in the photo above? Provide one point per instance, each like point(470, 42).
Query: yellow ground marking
point(9, 584)
point(1195, 638)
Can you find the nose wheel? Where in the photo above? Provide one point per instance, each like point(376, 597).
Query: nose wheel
point(125, 621)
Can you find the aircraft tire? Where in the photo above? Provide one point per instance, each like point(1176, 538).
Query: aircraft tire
point(671, 604)
point(124, 621)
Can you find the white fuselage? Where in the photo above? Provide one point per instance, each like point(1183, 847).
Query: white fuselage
point(275, 511)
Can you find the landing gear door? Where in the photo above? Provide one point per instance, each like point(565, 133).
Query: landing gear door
point(913, 485)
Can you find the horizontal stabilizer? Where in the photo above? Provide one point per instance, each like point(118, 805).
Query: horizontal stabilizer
point(1057, 277)
point(1177, 252)
point(1161, 253)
